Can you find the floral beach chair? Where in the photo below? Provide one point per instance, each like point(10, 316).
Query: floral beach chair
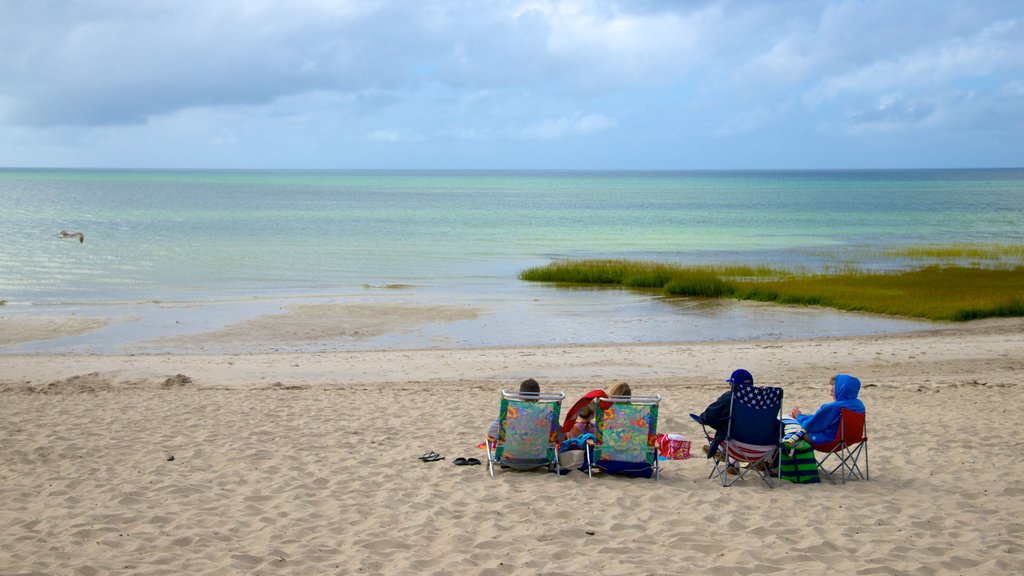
point(627, 427)
point(528, 432)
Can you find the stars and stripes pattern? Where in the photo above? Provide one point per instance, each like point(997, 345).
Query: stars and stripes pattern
point(759, 397)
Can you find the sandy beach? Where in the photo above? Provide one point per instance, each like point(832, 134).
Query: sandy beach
point(306, 463)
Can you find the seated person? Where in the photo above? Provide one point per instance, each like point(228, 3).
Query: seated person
point(584, 421)
point(608, 462)
point(577, 432)
point(587, 400)
point(579, 437)
point(716, 415)
point(528, 386)
point(620, 389)
point(821, 426)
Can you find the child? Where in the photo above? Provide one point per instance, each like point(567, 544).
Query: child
point(821, 427)
point(584, 422)
point(527, 387)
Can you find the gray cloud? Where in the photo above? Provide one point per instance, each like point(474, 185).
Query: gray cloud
point(329, 73)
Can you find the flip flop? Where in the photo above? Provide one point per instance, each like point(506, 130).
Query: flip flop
point(472, 462)
point(431, 457)
point(460, 461)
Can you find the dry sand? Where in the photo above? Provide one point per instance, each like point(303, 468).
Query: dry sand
point(304, 463)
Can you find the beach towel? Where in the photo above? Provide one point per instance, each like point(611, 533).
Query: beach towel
point(577, 443)
point(793, 433)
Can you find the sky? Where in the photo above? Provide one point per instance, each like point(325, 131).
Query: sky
point(512, 84)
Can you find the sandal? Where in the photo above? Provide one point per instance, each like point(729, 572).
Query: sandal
point(431, 457)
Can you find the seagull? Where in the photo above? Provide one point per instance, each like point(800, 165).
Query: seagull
point(65, 234)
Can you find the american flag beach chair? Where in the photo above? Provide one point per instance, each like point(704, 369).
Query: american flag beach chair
point(751, 439)
point(528, 431)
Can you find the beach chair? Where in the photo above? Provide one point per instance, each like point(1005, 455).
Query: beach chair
point(750, 443)
point(626, 430)
point(844, 452)
point(527, 435)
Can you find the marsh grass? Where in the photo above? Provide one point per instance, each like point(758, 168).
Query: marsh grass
point(640, 273)
point(977, 254)
point(933, 292)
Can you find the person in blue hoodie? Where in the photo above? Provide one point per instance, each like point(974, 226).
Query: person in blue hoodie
point(821, 427)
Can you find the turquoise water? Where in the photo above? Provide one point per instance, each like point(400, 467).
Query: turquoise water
point(171, 235)
point(461, 236)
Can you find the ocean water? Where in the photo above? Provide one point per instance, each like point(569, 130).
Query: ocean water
point(457, 237)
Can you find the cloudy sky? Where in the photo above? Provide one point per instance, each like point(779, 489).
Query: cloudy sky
point(575, 84)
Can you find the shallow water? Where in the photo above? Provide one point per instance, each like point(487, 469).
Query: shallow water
point(228, 245)
point(534, 315)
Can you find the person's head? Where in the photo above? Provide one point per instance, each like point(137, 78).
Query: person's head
point(740, 376)
point(587, 412)
point(845, 387)
point(530, 387)
point(620, 389)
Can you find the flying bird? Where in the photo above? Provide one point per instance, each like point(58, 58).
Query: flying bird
point(65, 234)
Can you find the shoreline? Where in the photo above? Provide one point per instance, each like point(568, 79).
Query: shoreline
point(970, 343)
point(420, 319)
point(307, 462)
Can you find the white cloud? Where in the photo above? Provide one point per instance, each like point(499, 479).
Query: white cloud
point(893, 111)
point(996, 47)
point(567, 126)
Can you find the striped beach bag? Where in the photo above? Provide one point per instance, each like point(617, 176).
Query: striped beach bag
point(799, 465)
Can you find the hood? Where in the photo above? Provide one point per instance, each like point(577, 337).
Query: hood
point(847, 387)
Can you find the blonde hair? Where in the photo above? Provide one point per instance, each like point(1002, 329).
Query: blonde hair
point(620, 389)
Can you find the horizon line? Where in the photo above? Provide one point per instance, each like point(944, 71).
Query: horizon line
point(609, 170)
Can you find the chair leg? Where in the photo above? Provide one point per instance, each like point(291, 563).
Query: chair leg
point(854, 462)
point(490, 458)
point(823, 466)
point(720, 472)
point(867, 475)
point(766, 467)
point(847, 464)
